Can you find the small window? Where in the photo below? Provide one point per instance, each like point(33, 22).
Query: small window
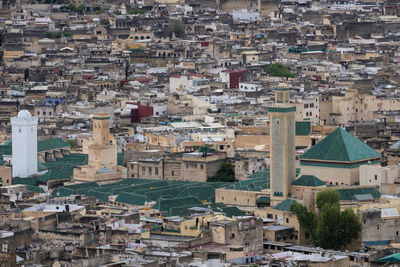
point(277, 121)
point(156, 170)
point(287, 220)
point(376, 177)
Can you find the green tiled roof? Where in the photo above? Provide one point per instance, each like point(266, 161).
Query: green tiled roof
point(154, 195)
point(41, 166)
point(27, 181)
point(284, 205)
point(132, 199)
point(100, 196)
point(165, 204)
point(34, 189)
point(349, 193)
point(51, 143)
point(308, 180)
point(263, 200)
point(232, 211)
point(52, 174)
point(340, 146)
point(42, 145)
point(202, 192)
point(221, 207)
point(303, 128)
point(80, 188)
point(62, 192)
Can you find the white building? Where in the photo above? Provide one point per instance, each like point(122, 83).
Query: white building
point(192, 83)
point(243, 15)
point(249, 87)
point(24, 144)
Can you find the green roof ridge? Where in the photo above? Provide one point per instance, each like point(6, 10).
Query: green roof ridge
point(284, 205)
point(308, 180)
point(345, 141)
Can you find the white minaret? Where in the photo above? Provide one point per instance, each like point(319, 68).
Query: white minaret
point(24, 144)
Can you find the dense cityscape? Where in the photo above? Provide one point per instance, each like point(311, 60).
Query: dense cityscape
point(199, 133)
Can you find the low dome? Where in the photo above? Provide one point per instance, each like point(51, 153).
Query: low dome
point(24, 114)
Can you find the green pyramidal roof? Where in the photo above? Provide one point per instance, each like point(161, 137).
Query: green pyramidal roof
point(308, 180)
point(340, 146)
point(284, 205)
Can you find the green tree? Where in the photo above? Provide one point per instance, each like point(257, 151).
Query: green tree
point(176, 26)
point(57, 35)
point(224, 174)
point(135, 11)
point(329, 196)
point(307, 218)
point(332, 229)
point(72, 143)
point(278, 70)
point(105, 23)
point(328, 232)
point(350, 226)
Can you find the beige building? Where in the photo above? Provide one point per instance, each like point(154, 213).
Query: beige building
point(386, 178)
point(5, 176)
point(190, 166)
point(183, 104)
point(240, 198)
point(102, 166)
point(307, 109)
point(354, 107)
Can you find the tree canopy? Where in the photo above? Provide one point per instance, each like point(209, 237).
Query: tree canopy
point(136, 10)
point(329, 196)
point(176, 26)
point(224, 174)
point(278, 70)
point(332, 229)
